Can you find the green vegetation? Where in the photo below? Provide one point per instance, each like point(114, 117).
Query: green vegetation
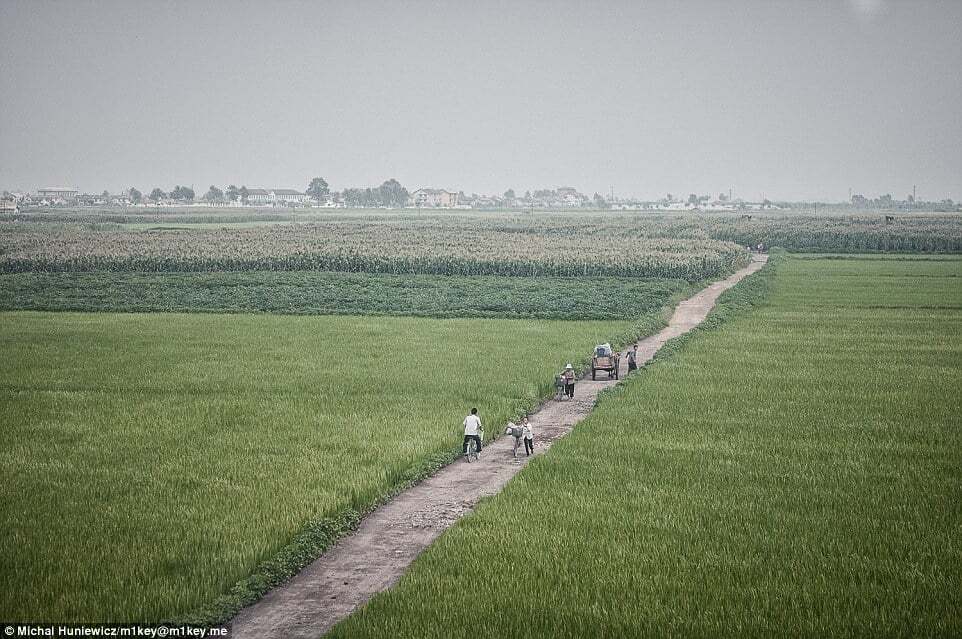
point(313, 292)
point(152, 461)
point(794, 469)
point(172, 465)
point(847, 234)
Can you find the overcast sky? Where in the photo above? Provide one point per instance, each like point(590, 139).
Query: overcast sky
point(798, 99)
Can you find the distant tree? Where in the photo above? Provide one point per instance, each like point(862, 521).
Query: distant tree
point(318, 189)
point(600, 201)
point(722, 197)
point(135, 196)
point(527, 195)
point(157, 195)
point(352, 197)
point(233, 193)
point(692, 198)
point(182, 194)
point(105, 194)
point(509, 194)
point(244, 194)
point(214, 194)
point(391, 193)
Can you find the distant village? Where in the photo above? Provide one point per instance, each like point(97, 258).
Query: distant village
point(391, 194)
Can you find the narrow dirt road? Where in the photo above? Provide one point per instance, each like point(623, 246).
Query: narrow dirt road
point(374, 557)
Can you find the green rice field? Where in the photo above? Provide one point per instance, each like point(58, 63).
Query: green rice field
point(150, 461)
point(794, 468)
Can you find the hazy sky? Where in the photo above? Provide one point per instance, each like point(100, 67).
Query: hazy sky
point(795, 99)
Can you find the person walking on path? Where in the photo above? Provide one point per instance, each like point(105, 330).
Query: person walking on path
point(569, 377)
point(633, 359)
point(472, 430)
point(528, 433)
point(516, 431)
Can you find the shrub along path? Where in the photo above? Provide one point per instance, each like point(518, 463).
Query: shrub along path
point(375, 556)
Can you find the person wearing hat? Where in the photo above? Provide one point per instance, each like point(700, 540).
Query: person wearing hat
point(569, 377)
point(633, 359)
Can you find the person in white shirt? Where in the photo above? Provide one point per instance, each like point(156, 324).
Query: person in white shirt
point(528, 431)
point(472, 430)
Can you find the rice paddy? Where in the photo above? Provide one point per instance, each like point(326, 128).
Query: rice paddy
point(794, 469)
point(152, 461)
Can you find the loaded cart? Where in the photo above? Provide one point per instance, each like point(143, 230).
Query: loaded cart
point(605, 360)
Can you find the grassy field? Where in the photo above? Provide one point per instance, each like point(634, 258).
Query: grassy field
point(792, 470)
point(152, 461)
point(318, 292)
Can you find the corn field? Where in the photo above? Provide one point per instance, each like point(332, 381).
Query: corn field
point(454, 248)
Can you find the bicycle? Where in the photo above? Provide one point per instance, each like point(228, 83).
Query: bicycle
point(472, 449)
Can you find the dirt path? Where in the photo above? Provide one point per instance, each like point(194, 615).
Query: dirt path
point(374, 557)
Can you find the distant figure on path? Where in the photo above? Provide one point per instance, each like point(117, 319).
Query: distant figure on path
point(528, 432)
point(516, 431)
point(633, 359)
point(472, 430)
point(569, 377)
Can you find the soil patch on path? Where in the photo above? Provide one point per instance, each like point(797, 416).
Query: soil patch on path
point(373, 558)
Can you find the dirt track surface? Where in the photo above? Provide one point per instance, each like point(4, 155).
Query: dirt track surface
point(374, 557)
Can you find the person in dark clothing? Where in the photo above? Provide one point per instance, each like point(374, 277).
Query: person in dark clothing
point(528, 436)
point(569, 377)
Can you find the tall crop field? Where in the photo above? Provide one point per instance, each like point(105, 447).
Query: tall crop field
point(409, 246)
point(794, 471)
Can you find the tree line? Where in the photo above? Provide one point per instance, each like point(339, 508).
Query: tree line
point(390, 193)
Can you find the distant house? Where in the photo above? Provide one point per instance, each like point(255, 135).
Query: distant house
point(434, 198)
point(288, 196)
point(9, 206)
point(53, 194)
point(264, 197)
point(258, 197)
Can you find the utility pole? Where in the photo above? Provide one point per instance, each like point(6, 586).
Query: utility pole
point(915, 198)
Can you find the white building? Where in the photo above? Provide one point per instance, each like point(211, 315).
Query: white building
point(288, 196)
point(267, 197)
point(53, 194)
